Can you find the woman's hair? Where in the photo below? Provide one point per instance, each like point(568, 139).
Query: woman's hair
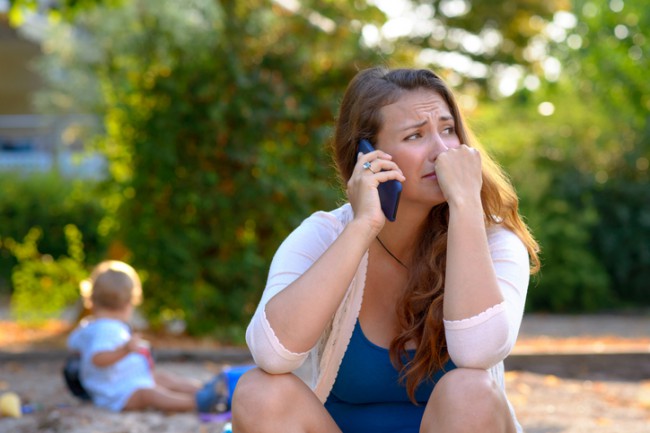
point(112, 285)
point(420, 308)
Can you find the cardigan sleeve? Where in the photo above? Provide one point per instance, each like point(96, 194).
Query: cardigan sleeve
point(486, 339)
point(295, 255)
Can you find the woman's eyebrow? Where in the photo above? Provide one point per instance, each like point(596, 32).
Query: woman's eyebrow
point(443, 118)
point(414, 126)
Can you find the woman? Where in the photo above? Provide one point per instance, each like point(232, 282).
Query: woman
point(374, 326)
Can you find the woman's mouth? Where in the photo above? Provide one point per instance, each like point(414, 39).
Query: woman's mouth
point(431, 175)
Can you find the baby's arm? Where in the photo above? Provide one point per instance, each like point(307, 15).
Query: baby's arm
point(109, 357)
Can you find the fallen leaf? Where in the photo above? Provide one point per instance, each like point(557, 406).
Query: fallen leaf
point(603, 421)
point(551, 380)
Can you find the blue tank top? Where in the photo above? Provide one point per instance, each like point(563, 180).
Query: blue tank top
point(367, 396)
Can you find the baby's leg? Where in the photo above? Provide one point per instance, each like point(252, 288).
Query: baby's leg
point(162, 399)
point(176, 383)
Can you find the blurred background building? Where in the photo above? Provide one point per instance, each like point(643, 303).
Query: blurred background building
point(29, 140)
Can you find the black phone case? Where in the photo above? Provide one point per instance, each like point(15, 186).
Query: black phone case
point(389, 191)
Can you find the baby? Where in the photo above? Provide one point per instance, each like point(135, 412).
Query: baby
point(116, 368)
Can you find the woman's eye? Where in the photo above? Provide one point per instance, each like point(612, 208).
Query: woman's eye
point(413, 136)
point(449, 130)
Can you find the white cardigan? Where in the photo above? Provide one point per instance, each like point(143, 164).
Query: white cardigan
point(482, 341)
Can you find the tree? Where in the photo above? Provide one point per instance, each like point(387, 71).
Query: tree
point(482, 48)
point(215, 120)
point(216, 116)
point(578, 150)
point(614, 55)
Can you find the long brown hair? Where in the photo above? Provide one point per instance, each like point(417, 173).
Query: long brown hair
point(420, 308)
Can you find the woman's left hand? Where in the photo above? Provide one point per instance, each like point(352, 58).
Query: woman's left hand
point(459, 174)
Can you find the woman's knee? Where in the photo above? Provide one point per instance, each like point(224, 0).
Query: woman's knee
point(467, 397)
point(260, 392)
point(468, 384)
point(270, 403)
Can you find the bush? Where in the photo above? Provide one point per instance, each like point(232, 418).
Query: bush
point(572, 278)
point(216, 121)
point(48, 203)
point(621, 238)
point(44, 286)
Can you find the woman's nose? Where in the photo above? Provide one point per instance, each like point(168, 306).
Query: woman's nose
point(436, 146)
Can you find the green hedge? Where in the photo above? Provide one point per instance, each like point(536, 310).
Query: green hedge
point(216, 119)
point(621, 239)
point(563, 217)
point(49, 232)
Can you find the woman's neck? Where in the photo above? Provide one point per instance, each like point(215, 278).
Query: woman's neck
point(401, 235)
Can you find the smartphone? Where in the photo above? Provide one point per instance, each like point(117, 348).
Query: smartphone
point(389, 191)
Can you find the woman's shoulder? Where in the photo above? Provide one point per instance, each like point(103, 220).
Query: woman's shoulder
point(500, 231)
point(318, 229)
point(502, 238)
point(335, 219)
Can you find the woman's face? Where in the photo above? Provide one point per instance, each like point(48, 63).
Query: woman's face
point(416, 129)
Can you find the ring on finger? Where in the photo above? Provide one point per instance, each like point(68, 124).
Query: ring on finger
point(368, 166)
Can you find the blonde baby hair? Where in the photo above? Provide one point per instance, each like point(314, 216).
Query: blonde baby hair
point(112, 285)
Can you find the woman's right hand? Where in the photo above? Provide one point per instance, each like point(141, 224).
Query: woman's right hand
point(362, 187)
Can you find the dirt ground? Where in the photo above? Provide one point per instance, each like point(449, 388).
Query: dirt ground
point(544, 404)
point(550, 404)
point(55, 410)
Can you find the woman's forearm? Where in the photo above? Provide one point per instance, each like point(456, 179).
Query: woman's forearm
point(299, 313)
point(471, 284)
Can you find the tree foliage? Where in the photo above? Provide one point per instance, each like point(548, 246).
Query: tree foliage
point(55, 10)
point(47, 203)
point(614, 57)
point(582, 169)
point(216, 116)
point(43, 285)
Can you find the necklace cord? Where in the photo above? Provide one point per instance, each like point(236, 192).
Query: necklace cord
point(391, 254)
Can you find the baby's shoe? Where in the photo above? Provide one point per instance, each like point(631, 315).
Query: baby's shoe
point(216, 395)
point(212, 397)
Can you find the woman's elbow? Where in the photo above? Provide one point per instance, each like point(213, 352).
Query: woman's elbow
point(275, 365)
point(268, 357)
point(487, 354)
